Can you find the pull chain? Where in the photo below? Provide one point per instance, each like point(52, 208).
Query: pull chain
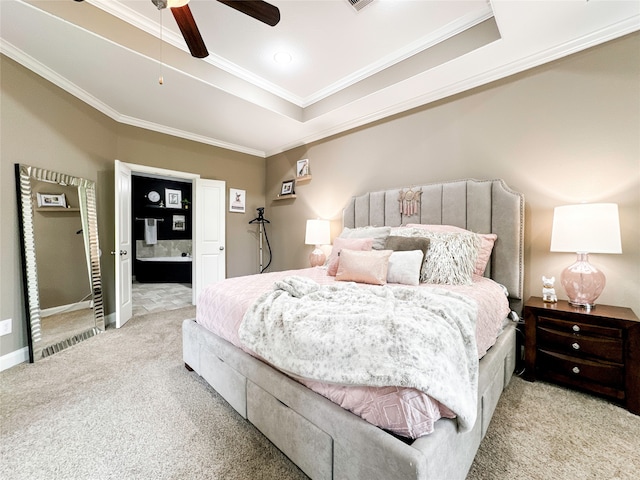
point(161, 79)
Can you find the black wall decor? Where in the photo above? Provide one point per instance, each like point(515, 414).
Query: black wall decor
point(150, 201)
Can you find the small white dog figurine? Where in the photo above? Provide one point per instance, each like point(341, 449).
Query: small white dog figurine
point(548, 292)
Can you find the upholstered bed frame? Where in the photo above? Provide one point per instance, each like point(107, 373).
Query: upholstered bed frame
point(328, 442)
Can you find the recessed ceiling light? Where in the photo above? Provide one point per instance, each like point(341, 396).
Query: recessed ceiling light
point(282, 58)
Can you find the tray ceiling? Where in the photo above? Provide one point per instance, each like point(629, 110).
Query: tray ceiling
point(347, 67)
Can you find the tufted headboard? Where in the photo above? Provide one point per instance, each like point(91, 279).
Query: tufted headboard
point(482, 206)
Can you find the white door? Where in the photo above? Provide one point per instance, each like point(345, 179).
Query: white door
point(208, 250)
point(124, 302)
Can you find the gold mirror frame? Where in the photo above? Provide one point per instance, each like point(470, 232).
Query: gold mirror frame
point(38, 348)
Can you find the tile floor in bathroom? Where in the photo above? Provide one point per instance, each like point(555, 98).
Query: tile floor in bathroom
point(155, 297)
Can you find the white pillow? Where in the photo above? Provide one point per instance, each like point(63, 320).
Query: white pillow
point(404, 267)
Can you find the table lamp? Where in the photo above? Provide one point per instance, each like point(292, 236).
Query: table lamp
point(318, 233)
point(585, 228)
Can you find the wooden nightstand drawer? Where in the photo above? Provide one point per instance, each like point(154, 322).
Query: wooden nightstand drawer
point(582, 369)
point(581, 345)
point(578, 328)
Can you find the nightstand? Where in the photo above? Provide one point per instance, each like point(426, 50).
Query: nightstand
point(597, 351)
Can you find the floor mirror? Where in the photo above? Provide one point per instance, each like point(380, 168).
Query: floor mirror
point(60, 258)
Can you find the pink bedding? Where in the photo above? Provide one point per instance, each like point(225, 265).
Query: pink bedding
point(403, 411)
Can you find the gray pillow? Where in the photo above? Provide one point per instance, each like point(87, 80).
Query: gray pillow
point(403, 244)
point(379, 234)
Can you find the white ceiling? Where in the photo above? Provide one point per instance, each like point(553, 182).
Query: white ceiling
point(349, 68)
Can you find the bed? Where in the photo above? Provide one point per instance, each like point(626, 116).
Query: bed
point(327, 441)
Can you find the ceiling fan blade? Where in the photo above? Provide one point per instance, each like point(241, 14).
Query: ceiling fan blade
point(190, 31)
point(263, 11)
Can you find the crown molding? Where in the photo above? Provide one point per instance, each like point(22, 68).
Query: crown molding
point(155, 127)
point(448, 31)
point(45, 72)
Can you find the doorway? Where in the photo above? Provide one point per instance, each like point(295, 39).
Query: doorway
point(208, 234)
point(162, 243)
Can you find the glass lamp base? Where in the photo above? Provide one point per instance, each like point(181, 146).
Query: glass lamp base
point(583, 282)
point(317, 257)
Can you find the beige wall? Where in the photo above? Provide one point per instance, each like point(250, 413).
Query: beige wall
point(562, 133)
point(42, 125)
point(63, 276)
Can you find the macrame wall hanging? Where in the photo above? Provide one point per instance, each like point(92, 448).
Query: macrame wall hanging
point(409, 201)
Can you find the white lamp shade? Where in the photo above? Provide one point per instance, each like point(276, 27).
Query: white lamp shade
point(588, 228)
point(318, 232)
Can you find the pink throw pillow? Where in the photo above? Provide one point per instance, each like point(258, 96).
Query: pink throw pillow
point(486, 243)
point(351, 244)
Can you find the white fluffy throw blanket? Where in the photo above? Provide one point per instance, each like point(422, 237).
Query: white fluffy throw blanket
point(376, 336)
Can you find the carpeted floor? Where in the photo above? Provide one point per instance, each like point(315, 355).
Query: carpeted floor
point(121, 405)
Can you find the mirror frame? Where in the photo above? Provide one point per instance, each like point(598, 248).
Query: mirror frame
point(87, 198)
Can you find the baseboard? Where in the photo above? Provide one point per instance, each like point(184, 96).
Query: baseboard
point(46, 312)
point(14, 358)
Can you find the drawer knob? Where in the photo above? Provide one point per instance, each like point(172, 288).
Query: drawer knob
point(575, 370)
point(576, 346)
point(576, 328)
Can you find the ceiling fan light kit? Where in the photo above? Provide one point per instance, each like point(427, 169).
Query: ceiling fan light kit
point(160, 4)
point(258, 9)
point(177, 3)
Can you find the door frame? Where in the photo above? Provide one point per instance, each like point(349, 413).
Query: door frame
point(143, 169)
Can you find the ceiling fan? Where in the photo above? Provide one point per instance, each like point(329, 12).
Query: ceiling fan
point(258, 9)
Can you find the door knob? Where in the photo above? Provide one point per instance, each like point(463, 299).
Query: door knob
point(221, 247)
point(122, 252)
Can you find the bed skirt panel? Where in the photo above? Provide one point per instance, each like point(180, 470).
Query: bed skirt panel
point(305, 444)
point(326, 441)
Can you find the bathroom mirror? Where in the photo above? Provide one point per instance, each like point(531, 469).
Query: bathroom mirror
point(60, 259)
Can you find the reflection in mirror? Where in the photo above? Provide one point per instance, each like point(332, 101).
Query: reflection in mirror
point(60, 258)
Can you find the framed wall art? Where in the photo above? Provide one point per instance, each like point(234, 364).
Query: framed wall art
point(237, 200)
point(287, 188)
point(172, 198)
point(179, 223)
point(302, 168)
point(52, 200)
